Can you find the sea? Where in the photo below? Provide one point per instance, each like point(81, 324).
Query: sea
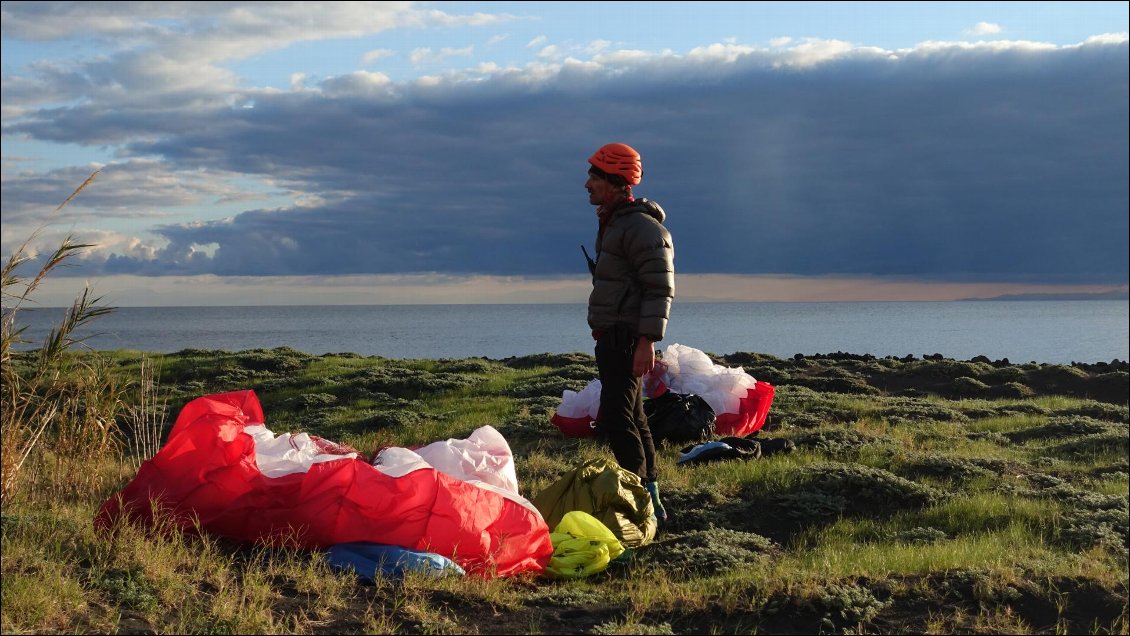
point(1044, 331)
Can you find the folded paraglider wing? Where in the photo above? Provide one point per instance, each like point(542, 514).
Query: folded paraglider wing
point(578, 411)
point(741, 403)
point(217, 473)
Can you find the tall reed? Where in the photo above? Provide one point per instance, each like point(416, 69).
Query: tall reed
point(50, 401)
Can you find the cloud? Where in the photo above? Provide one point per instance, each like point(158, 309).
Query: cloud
point(551, 52)
point(596, 46)
point(166, 51)
point(1107, 38)
point(122, 194)
point(426, 55)
point(1001, 161)
point(358, 83)
point(376, 54)
point(220, 30)
point(983, 28)
point(124, 190)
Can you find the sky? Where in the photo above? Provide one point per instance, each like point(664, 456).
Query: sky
point(435, 152)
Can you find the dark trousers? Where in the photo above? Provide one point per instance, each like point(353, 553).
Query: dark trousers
point(622, 419)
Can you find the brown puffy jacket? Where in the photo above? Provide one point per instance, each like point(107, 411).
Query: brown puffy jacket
point(634, 278)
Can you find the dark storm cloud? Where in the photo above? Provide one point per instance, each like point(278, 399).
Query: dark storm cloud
point(1004, 163)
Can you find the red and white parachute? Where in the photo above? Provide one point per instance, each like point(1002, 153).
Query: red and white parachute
point(740, 402)
point(222, 469)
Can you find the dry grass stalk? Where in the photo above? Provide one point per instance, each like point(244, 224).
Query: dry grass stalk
point(41, 398)
point(145, 421)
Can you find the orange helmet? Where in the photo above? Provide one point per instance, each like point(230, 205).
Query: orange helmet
point(619, 159)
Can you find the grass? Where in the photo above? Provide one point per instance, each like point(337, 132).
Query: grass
point(883, 519)
point(907, 506)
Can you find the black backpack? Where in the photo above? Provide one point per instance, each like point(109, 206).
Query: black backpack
point(677, 417)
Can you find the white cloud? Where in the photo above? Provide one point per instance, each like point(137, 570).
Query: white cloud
point(1107, 38)
point(376, 54)
point(536, 42)
point(228, 30)
point(134, 190)
point(983, 28)
point(623, 57)
point(597, 46)
point(550, 52)
point(1000, 46)
point(811, 52)
point(107, 243)
point(425, 55)
point(727, 53)
point(175, 48)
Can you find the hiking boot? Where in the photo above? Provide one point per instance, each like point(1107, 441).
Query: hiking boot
point(660, 512)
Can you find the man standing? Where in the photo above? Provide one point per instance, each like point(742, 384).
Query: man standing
point(633, 279)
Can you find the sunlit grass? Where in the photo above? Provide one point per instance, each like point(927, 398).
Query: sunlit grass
point(771, 474)
point(989, 512)
point(462, 412)
point(1003, 549)
point(942, 509)
point(1006, 424)
point(1112, 485)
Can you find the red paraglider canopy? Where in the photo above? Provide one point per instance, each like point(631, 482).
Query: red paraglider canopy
point(751, 414)
point(207, 473)
point(740, 403)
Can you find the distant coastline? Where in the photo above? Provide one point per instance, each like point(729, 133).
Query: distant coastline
point(1114, 294)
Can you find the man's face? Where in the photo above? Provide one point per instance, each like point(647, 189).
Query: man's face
point(600, 191)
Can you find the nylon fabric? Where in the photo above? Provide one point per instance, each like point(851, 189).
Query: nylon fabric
point(207, 474)
point(634, 276)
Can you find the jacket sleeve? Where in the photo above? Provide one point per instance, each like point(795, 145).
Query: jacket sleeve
point(652, 255)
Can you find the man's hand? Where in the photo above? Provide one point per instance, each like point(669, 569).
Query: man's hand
point(644, 360)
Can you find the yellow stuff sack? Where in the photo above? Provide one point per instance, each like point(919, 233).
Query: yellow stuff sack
point(582, 545)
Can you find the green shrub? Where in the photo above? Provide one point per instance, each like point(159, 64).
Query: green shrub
point(1010, 391)
point(969, 387)
point(850, 605)
point(920, 535)
point(280, 360)
point(838, 442)
point(129, 589)
point(476, 366)
point(708, 552)
point(826, 491)
point(406, 382)
point(1061, 427)
point(1004, 375)
point(1115, 442)
point(551, 360)
point(545, 386)
point(950, 468)
point(1100, 411)
point(849, 386)
point(309, 401)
